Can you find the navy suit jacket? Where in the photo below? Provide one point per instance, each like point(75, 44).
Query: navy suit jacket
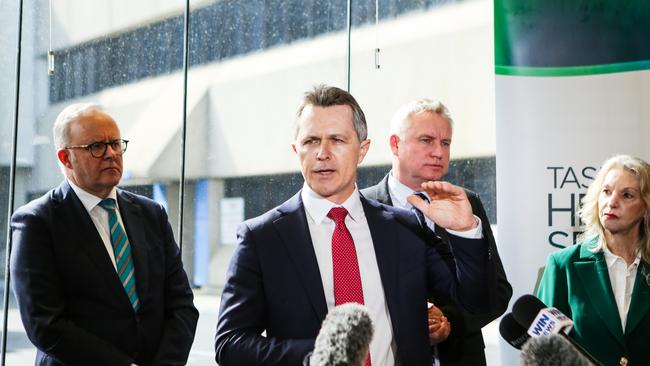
point(273, 284)
point(71, 301)
point(465, 345)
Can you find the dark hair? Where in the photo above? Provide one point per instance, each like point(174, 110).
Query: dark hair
point(327, 96)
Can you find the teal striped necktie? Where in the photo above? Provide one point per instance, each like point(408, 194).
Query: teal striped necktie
point(122, 250)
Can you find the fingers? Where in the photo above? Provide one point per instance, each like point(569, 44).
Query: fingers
point(433, 310)
point(439, 331)
point(439, 326)
point(417, 202)
point(436, 189)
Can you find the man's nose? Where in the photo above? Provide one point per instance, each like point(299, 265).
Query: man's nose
point(109, 153)
point(435, 150)
point(324, 152)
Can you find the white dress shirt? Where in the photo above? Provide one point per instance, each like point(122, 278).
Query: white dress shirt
point(321, 229)
point(398, 193)
point(99, 216)
point(622, 278)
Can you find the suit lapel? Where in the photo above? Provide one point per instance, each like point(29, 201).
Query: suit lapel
point(131, 213)
point(383, 194)
point(85, 234)
point(640, 303)
point(593, 274)
point(384, 237)
point(293, 229)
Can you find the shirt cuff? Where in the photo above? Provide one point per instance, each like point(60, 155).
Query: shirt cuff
point(475, 233)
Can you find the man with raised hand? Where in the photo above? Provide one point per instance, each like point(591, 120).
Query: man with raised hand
point(420, 141)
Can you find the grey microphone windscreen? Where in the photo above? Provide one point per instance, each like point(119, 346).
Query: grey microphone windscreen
point(551, 350)
point(344, 337)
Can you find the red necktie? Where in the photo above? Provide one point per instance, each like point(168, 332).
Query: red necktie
point(347, 280)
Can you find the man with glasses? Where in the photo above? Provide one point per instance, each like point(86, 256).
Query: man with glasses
point(96, 272)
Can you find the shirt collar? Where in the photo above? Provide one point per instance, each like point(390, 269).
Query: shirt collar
point(89, 200)
point(318, 207)
point(399, 191)
point(611, 258)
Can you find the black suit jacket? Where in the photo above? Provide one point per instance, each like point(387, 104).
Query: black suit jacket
point(465, 345)
point(71, 301)
point(274, 285)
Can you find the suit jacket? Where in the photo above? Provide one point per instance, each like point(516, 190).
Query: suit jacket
point(273, 284)
point(465, 345)
point(576, 281)
point(71, 300)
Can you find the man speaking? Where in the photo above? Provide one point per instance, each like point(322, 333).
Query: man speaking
point(420, 142)
point(328, 245)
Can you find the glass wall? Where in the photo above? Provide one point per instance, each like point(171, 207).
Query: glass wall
point(250, 61)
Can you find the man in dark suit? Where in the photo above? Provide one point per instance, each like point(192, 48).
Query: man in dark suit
point(420, 140)
point(328, 245)
point(96, 271)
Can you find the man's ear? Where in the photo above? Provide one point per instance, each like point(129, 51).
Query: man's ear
point(394, 141)
point(64, 157)
point(363, 150)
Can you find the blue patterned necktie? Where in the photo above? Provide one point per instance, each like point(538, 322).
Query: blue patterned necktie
point(122, 250)
point(418, 213)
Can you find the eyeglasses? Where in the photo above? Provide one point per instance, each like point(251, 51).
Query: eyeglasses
point(98, 149)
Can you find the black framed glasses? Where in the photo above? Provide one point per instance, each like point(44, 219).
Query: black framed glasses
point(98, 149)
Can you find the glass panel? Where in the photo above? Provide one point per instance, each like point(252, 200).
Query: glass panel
point(16, 339)
point(441, 50)
point(252, 61)
point(108, 52)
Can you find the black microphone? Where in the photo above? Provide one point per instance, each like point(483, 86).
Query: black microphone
point(344, 337)
point(530, 312)
point(551, 350)
point(512, 331)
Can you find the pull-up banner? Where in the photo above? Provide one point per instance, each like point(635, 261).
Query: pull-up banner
point(572, 89)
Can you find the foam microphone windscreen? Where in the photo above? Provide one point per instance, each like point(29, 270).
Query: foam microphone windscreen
point(551, 350)
point(344, 337)
point(512, 331)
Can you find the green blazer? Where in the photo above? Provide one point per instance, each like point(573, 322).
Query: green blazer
point(576, 282)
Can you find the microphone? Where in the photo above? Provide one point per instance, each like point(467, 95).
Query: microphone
point(344, 337)
point(512, 331)
point(531, 313)
point(551, 350)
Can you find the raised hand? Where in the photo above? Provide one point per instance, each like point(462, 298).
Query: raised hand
point(449, 207)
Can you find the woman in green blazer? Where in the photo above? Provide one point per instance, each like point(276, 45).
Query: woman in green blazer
point(603, 282)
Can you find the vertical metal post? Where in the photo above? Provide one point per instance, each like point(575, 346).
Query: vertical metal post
point(349, 41)
point(186, 64)
point(12, 186)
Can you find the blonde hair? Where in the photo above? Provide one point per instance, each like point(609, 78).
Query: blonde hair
point(589, 213)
